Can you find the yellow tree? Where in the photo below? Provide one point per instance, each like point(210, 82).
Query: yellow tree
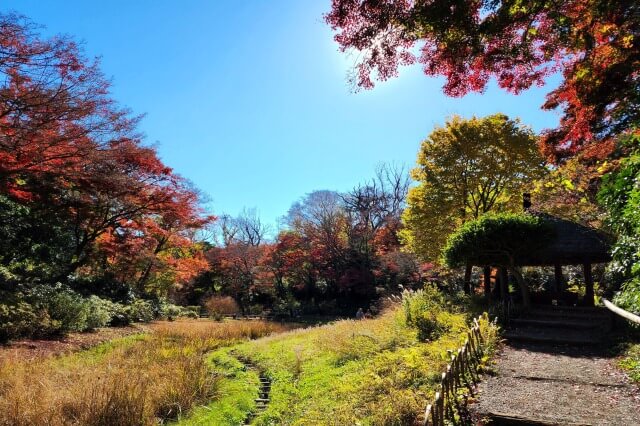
point(570, 190)
point(464, 170)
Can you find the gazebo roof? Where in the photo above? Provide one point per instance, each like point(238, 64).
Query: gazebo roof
point(573, 244)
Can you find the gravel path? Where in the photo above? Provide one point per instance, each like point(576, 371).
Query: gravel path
point(558, 385)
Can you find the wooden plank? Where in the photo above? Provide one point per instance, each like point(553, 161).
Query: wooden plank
point(427, 414)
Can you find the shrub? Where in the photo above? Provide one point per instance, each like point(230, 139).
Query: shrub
point(195, 309)
point(165, 309)
point(42, 311)
point(422, 310)
point(190, 312)
point(47, 310)
point(67, 309)
point(629, 296)
point(17, 320)
point(139, 311)
point(620, 195)
point(100, 313)
point(221, 305)
point(119, 314)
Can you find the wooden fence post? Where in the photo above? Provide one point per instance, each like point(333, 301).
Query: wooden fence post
point(465, 360)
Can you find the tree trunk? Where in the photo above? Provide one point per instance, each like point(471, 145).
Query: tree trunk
point(503, 274)
point(486, 272)
point(467, 278)
point(559, 282)
point(589, 298)
point(526, 299)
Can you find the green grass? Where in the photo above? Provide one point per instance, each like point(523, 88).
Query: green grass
point(237, 390)
point(372, 372)
point(631, 362)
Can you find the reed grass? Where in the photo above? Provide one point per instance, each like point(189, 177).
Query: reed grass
point(137, 380)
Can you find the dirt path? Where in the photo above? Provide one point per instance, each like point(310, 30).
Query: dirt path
point(557, 385)
point(31, 349)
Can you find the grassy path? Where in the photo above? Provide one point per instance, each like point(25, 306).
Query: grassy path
point(372, 372)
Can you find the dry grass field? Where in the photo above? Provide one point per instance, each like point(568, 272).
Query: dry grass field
point(140, 379)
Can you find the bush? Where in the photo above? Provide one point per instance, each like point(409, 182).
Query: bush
point(67, 309)
point(100, 314)
point(423, 309)
point(190, 312)
point(46, 310)
point(620, 195)
point(17, 320)
point(629, 296)
point(139, 311)
point(194, 311)
point(166, 310)
point(119, 314)
point(221, 305)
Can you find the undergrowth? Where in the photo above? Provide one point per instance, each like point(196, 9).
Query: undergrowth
point(630, 362)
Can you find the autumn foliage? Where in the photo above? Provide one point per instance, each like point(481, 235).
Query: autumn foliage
point(594, 44)
point(72, 158)
point(336, 251)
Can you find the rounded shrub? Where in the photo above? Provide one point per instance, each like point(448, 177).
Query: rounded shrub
point(67, 309)
point(100, 312)
point(140, 311)
point(17, 320)
point(497, 239)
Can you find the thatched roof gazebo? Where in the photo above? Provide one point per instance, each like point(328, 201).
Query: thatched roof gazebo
point(541, 240)
point(573, 244)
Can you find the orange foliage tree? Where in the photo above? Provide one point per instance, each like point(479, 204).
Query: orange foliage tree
point(70, 153)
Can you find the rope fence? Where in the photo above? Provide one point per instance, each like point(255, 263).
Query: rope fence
point(621, 312)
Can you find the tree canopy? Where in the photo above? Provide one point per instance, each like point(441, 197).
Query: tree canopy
point(595, 44)
point(465, 169)
point(81, 193)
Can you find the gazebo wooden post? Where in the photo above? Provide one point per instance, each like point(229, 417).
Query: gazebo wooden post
point(559, 282)
point(589, 299)
point(467, 278)
point(486, 274)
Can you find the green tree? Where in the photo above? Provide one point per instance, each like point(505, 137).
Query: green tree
point(465, 169)
point(620, 195)
point(570, 191)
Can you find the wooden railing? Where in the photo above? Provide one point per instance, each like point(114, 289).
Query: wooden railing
point(462, 370)
point(621, 312)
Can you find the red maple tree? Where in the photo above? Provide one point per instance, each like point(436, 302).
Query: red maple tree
point(595, 44)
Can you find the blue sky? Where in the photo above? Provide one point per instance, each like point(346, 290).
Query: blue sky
point(249, 99)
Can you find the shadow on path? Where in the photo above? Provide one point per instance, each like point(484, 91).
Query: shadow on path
point(555, 384)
